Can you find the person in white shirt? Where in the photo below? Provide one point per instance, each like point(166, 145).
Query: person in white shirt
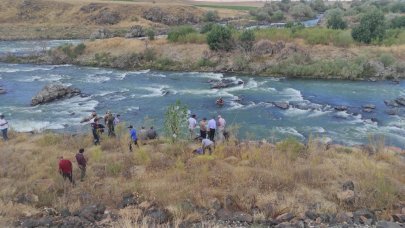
point(192, 124)
point(3, 127)
point(207, 144)
point(212, 126)
point(221, 128)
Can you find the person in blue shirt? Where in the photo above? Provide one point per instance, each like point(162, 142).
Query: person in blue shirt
point(133, 137)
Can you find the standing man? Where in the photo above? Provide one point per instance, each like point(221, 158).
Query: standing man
point(221, 128)
point(192, 124)
point(3, 127)
point(82, 162)
point(65, 169)
point(117, 119)
point(212, 126)
point(94, 128)
point(151, 134)
point(133, 137)
point(110, 123)
point(203, 128)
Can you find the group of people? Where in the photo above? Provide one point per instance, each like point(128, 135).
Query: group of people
point(210, 131)
point(66, 167)
point(97, 128)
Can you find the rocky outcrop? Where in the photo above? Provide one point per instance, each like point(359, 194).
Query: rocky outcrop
point(400, 101)
point(53, 92)
point(341, 108)
point(281, 105)
point(106, 17)
point(376, 69)
point(102, 33)
point(224, 83)
point(157, 14)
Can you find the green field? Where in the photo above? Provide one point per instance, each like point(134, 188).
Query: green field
point(228, 7)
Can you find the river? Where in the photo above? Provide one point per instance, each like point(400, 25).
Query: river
point(139, 94)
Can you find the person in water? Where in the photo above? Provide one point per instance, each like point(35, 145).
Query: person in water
point(3, 127)
point(133, 137)
point(220, 101)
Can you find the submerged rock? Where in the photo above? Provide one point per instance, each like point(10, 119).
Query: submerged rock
point(281, 105)
point(368, 106)
point(341, 108)
point(391, 103)
point(2, 90)
point(53, 92)
point(400, 101)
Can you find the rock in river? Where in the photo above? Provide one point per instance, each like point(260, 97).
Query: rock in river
point(53, 92)
point(400, 101)
point(341, 108)
point(282, 105)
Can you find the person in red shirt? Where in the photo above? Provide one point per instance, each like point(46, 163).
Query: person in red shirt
point(65, 169)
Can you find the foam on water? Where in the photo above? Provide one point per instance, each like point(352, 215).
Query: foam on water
point(290, 94)
point(157, 91)
point(24, 69)
point(33, 125)
point(296, 112)
point(46, 78)
point(96, 78)
point(289, 131)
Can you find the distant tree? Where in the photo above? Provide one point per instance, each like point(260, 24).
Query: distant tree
point(335, 19)
point(247, 38)
point(176, 33)
point(211, 16)
point(371, 27)
point(151, 34)
point(301, 11)
point(398, 22)
point(220, 38)
point(318, 5)
point(207, 27)
point(175, 121)
point(277, 16)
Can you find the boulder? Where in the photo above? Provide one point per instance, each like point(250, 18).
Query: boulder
point(341, 108)
point(53, 92)
point(391, 103)
point(399, 218)
point(286, 217)
point(241, 217)
point(158, 215)
point(368, 110)
point(367, 214)
point(281, 105)
point(400, 101)
point(135, 31)
point(344, 217)
point(128, 200)
point(385, 224)
point(392, 111)
point(102, 33)
point(92, 213)
point(369, 106)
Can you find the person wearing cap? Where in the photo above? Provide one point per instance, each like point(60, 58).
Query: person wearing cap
point(82, 163)
point(212, 126)
point(3, 127)
point(221, 127)
point(133, 137)
point(65, 169)
point(192, 124)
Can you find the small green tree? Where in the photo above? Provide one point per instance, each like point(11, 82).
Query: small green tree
point(371, 27)
point(211, 16)
point(175, 122)
point(151, 34)
point(220, 38)
point(335, 20)
point(318, 5)
point(301, 11)
point(177, 32)
point(247, 38)
point(398, 22)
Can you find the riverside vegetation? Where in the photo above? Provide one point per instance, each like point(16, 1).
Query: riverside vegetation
point(163, 183)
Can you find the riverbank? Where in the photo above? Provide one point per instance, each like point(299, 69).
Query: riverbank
point(267, 58)
point(242, 183)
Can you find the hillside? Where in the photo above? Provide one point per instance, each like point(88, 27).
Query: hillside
point(161, 183)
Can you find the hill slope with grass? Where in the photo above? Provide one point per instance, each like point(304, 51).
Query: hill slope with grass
point(163, 183)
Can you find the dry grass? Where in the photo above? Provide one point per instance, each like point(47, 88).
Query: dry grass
point(291, 178)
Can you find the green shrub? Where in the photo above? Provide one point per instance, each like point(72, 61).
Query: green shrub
point(318, 5)
point(177, 32)
point(277, 16)
point(204, 62)
point(247, 38)
point(274, 34)
point(387, 59)
point(343, 39)
point(150, 33)
point(210, 16)
point(371, 27)
point(316, 35)
point(394, 37)
point(103, 58)
point(113, 169)
point(175, 121)
point(79, 49)
point(220, 38)
point(335, 20)
point(207, 27)
point(398, 22)
point(301, 11)
point(149, 54)
point(193, 38)
point(290, 147)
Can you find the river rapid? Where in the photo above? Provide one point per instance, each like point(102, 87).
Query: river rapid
point(137, 95)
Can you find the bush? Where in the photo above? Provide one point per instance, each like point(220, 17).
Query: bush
point(277, 16)
point(387, 59)
point(318, 5)
point(335, 20)
point(291, 147)
point(398, 22)
point(211, 16)
point(207, 28)
point(149, 54)
point(274, 34)
point(175, 121)
point(394, 37)
point(177, 32)
point(79, 49)
point(220, 38)
point(372, 27)
point(247, 38)
point(343, 39)
point(193, 38)
point(302, 12)
point(151, 34)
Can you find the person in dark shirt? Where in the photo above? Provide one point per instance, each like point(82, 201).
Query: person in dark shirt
point(94, 128)
point(82, 163)
point(151, 134)
point(65, 169)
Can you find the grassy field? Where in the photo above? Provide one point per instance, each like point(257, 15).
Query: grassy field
point(231, 7)
point(288, 175)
